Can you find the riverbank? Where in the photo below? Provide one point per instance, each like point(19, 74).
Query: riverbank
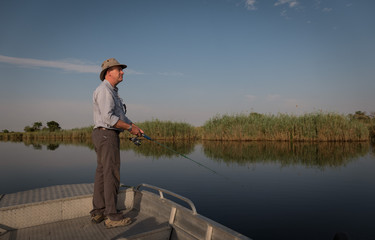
point(311, 127)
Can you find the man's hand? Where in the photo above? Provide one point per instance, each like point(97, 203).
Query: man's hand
point(136, 130)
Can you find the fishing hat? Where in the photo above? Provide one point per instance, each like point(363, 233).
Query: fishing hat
point(108, 64)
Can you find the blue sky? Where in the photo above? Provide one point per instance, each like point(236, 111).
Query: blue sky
point(187, 60)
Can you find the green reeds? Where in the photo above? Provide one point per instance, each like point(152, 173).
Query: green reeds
point(168, 130)
point(313, 127)
point(283, 127)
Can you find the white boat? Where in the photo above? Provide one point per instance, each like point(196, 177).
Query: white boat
point(62, 212)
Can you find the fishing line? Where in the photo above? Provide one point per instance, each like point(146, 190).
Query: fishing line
point(137, 142)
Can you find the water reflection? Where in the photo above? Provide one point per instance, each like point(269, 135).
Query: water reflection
point(320, 155)
point(147, 148)
point(55, 144)
point(39, 146)
point(52, 146)
point(150, 149)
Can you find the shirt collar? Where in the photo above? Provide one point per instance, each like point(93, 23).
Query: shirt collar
point(108, 84)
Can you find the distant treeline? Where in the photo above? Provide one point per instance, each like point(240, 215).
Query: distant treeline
point(311, 127)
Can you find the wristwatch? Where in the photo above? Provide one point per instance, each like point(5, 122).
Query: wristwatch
point(130, 129)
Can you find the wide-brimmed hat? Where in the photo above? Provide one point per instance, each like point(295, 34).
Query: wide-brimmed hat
point(109, 63)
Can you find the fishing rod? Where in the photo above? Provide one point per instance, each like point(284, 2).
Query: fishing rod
point(137, 142)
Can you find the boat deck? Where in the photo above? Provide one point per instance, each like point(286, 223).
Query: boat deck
point(82, 228)
point(62, 212)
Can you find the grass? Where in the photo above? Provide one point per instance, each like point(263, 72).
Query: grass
point(311, 127)
point(168, 130)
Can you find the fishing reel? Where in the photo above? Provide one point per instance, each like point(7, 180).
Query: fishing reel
point(136, 141)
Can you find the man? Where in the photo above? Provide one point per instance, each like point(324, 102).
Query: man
point(109, 121)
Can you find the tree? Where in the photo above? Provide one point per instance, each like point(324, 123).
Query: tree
point(28, 129)
point(53, 126)
point(5, 131)
point(361, 115)
point(37, 126)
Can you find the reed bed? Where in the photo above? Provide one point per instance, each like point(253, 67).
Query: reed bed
point(283, 127)
point(73, 134)
point(168, 130)
point(164, 130)
point(312, 127)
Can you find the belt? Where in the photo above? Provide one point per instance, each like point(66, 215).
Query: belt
point(107, 129)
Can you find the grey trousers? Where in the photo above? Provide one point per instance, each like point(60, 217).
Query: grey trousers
point(107, 176)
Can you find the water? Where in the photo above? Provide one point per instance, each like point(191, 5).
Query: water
point(262, 190)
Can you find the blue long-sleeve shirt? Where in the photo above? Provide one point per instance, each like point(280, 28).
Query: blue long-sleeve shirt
point(108, 107)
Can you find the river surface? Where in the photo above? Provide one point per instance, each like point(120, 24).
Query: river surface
point(262, 190)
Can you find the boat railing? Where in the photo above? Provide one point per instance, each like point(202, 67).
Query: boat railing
point(162, 191)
